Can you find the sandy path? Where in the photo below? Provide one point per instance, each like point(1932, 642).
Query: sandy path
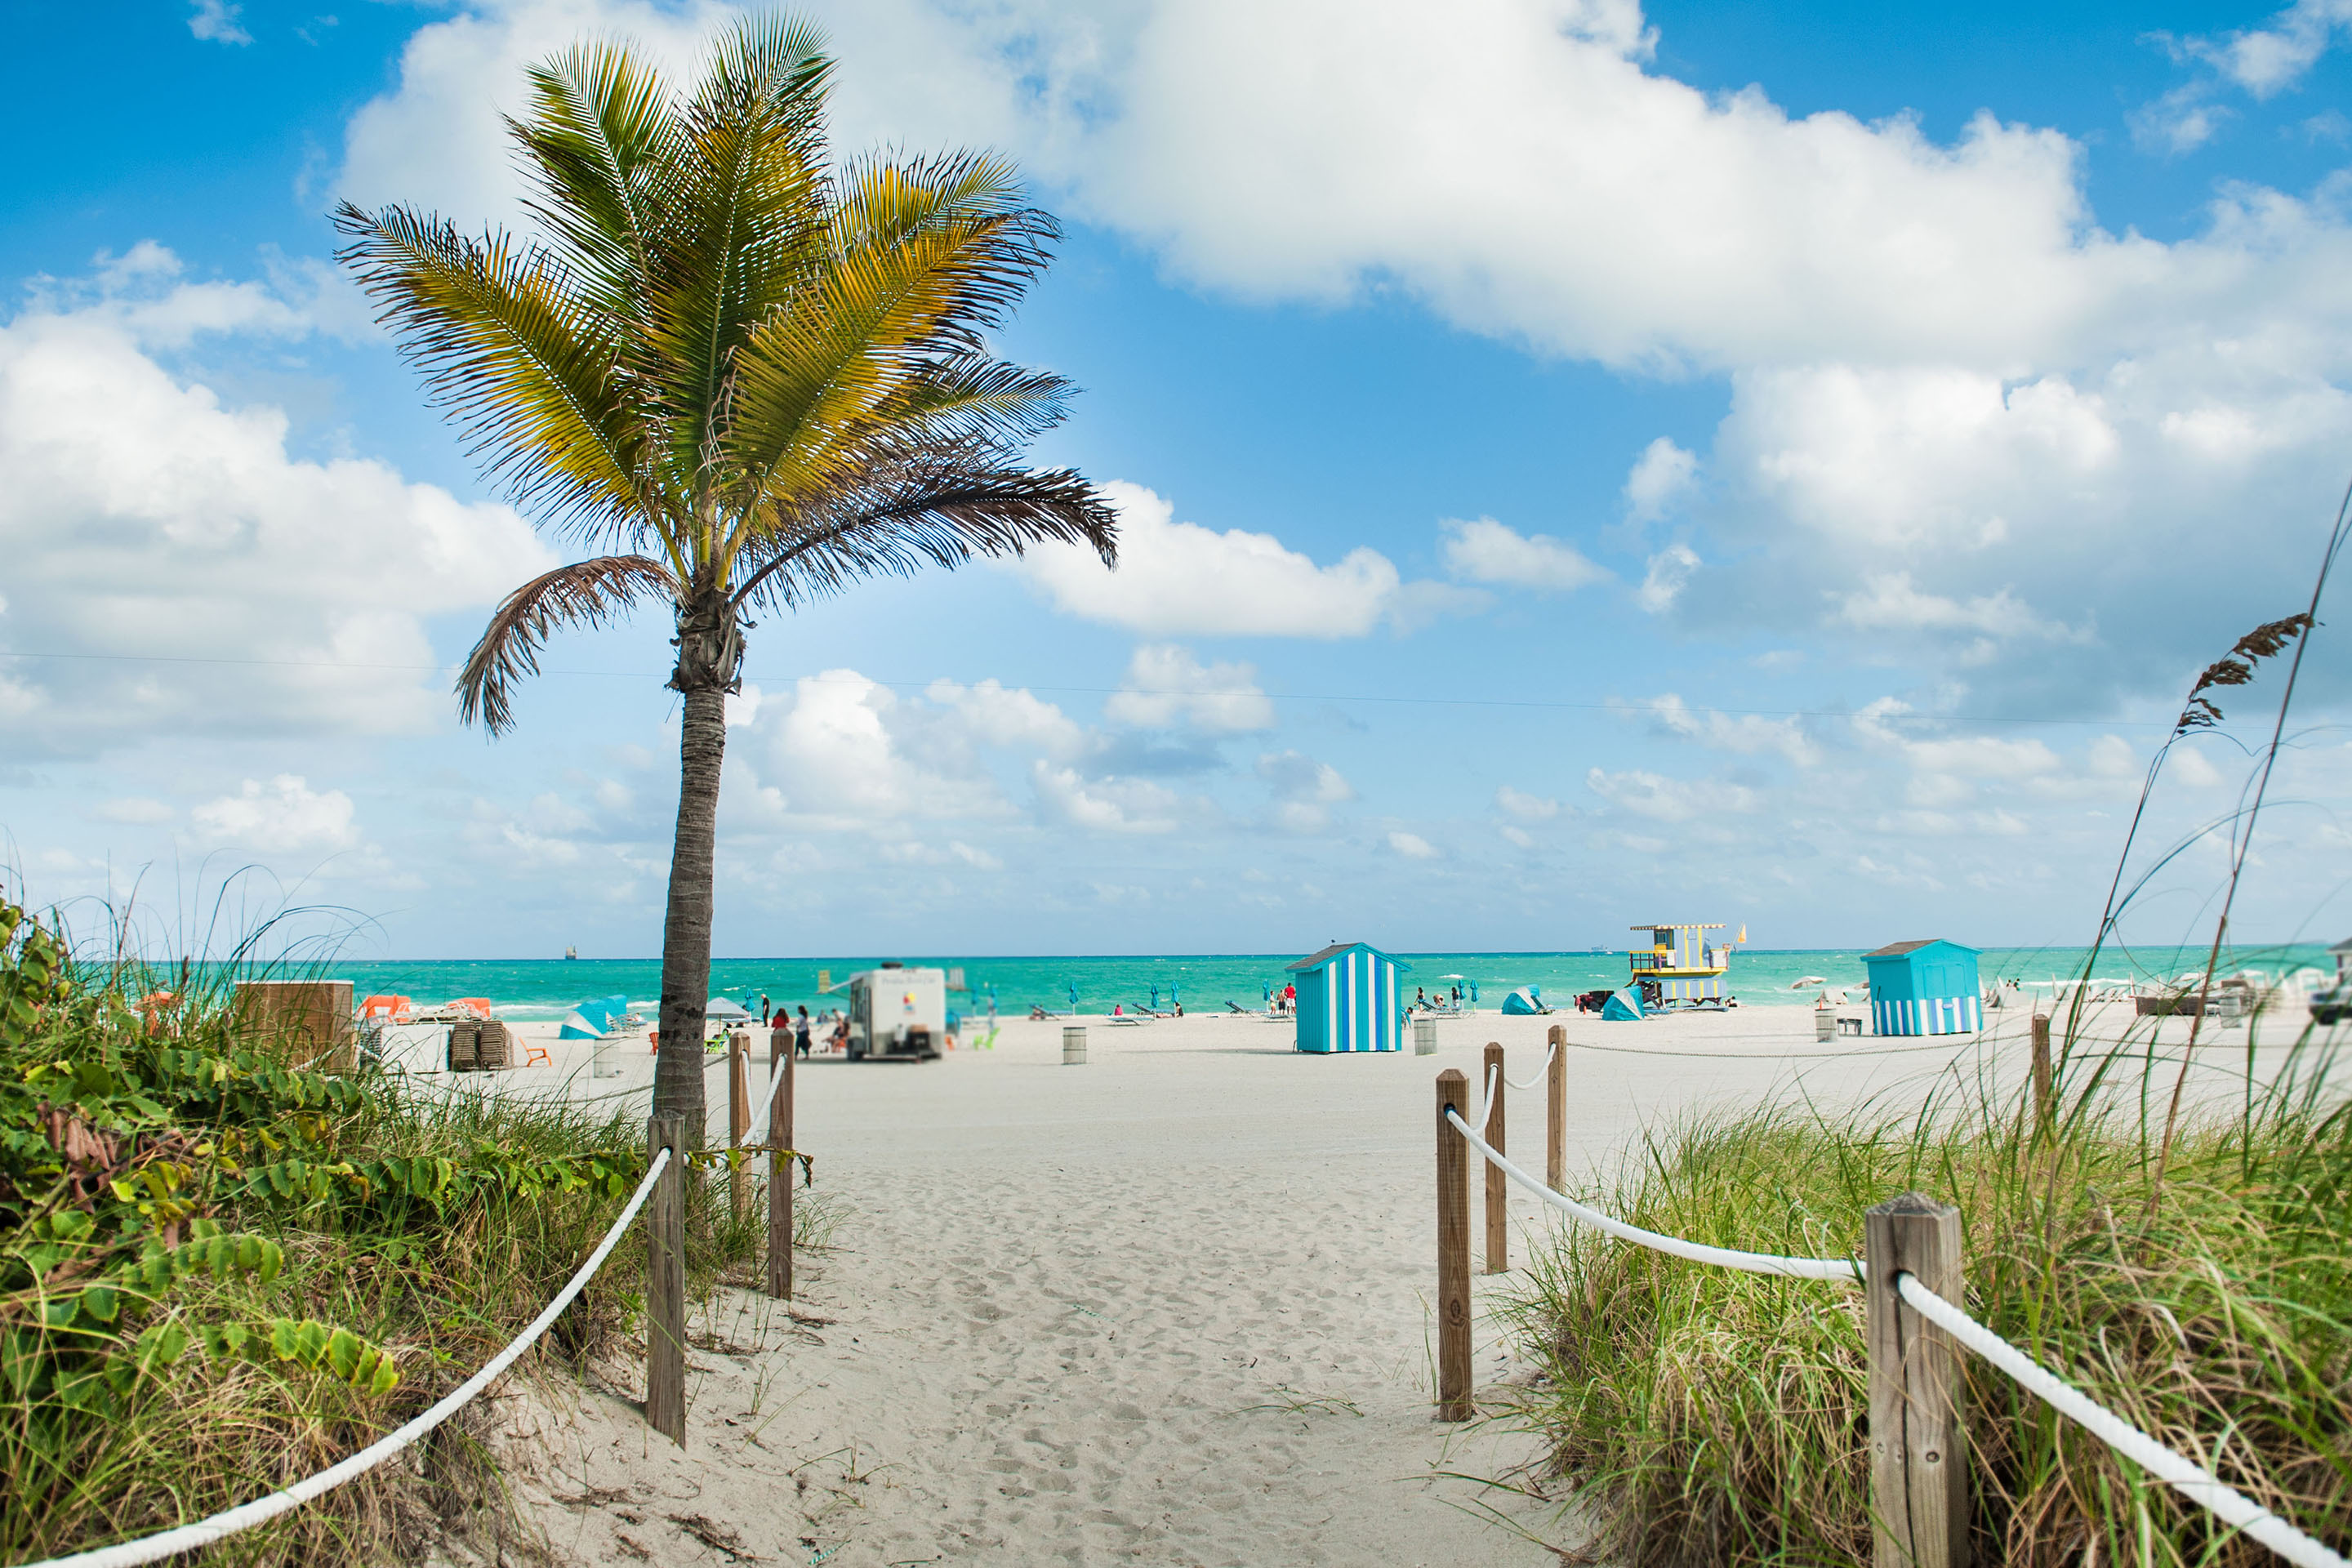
point(1167, 1308)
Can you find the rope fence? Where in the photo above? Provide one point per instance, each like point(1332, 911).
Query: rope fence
point(1910, 1271)
point(660, 1194)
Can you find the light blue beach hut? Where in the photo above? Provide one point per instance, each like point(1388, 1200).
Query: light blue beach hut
point(1348, 999)
point(1925, 988)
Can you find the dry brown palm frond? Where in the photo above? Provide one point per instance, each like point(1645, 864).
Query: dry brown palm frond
point(584, 593)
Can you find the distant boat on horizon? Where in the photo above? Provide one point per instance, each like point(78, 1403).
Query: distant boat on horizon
point(571, 952)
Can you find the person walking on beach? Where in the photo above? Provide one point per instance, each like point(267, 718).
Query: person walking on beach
point(801, 1031)
point(763, 1006)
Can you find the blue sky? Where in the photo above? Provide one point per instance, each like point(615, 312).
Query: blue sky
point(1580, 465)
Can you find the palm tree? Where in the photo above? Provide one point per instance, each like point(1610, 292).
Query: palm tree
point(736, 376)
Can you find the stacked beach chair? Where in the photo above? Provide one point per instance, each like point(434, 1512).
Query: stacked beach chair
point(482, 1046)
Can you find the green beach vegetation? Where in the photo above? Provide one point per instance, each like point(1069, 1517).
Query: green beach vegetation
point(221, 1272)
point(742, 376)
point(1719, 1417)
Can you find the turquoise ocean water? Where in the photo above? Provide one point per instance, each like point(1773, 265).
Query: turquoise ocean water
point(543, 988)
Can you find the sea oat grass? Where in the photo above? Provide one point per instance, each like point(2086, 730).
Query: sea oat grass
point(1719, 1417)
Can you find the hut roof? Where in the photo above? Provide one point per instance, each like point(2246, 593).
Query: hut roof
point(1897, 949)
point(1316, 959)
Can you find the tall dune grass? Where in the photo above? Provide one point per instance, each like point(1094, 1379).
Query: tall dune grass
point(1717, 1417)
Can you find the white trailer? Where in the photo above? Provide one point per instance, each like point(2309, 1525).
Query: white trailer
point(895, 1011)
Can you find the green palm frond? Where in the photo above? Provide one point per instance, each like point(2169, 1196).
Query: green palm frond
point(603, 143)
point(751, 195)
point(922, 258)
point(933, 504)
point(509, 348)
point(585, 594)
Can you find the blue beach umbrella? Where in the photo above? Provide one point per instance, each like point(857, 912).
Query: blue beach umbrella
point(1155, 998)
point(1074, 995)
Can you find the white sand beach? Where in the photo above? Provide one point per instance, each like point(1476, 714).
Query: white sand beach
point(1168, 1307)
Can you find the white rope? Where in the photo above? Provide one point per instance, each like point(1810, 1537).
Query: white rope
point(244, 1516)
point(1540, 1071)
point(1487, 1116)
point(2190, 1479)
point(2184, 1475)
point(1843, 1268)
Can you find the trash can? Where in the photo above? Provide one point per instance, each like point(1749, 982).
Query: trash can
point(1074, 1046)
point(1824, 1024)
point(1424, 1037)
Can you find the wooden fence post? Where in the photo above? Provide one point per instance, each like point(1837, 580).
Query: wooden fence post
point(1453, 1252)
point(1556, 1112)
point(665, 1282)
point(780, 1170)
point(739, 1115)
point(1918, 1462)
point(1498, 1191)
point(2043, 1087)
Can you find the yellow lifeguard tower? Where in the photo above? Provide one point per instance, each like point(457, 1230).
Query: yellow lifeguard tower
point(1680, 966)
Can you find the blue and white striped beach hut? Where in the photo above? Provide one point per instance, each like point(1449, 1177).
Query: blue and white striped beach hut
point(1348, 999)
point(1925, 988)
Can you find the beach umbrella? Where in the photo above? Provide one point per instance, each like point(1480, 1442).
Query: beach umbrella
point(1176, 994)
point(1074, 995)
point(1155, 998)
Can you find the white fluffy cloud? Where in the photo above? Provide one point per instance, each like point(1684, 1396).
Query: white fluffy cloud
point(1748, 735)
point(2264, 60)
point(1412, 846)
point(285, 814)
point(1165, 685)
point(217, 22)
point(1669, 573)
point(170, 565)
point(838, 752)
point(998, 715)
point(1524, 806)
point(1179, 578)
point(1106, 805)
point(1484, 551)
point(1665, 799)
point(1305, 790)
point(1661, 477)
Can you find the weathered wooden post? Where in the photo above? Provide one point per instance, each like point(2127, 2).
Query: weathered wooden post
point(1556, 1112)
point(1498, 1191)
point(2043, 1087)
point(739, 1115)
point(1918, 1463)
point(1453, 1252)
point(779, 1169)
point(665, 1282)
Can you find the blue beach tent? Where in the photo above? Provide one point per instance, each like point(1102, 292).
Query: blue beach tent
point(1348, 999)
point(1622, 1008)
point(590, 1019)
point(1925, 988)
point(1525, 1003)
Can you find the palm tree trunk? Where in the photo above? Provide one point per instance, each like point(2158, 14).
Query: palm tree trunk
point(686, 935)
